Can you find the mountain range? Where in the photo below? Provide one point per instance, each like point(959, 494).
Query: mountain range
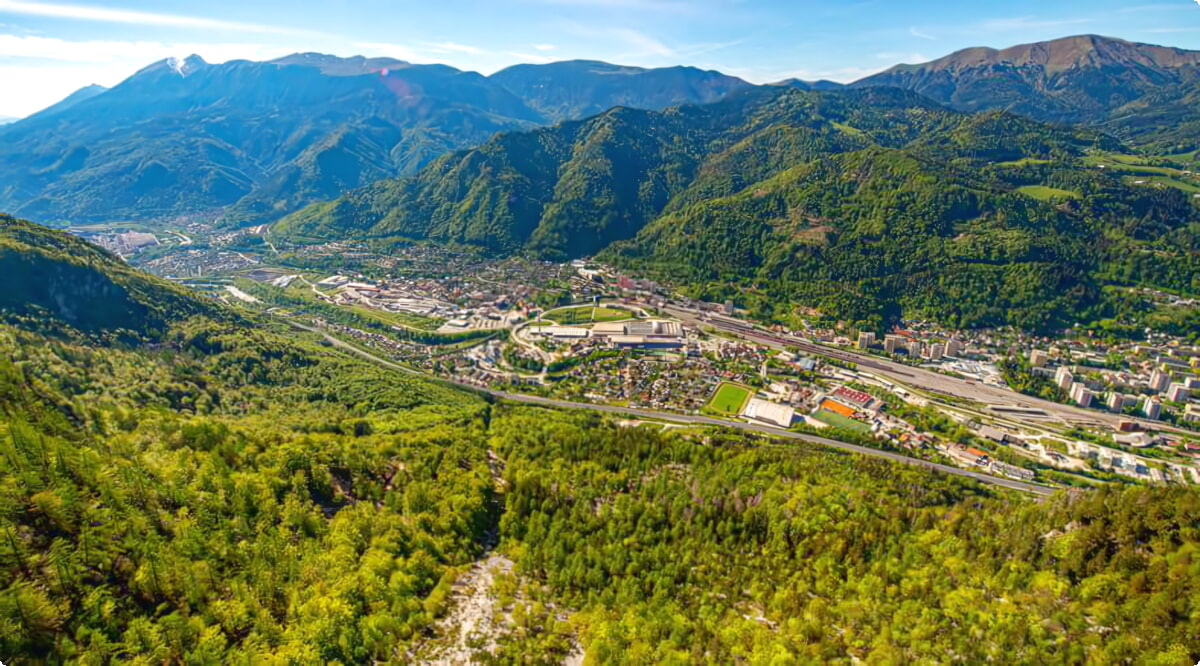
point(248, 142)
point(1137, 91)
point(866, 201)
point(256, 140)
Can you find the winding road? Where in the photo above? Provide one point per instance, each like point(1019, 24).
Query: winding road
point(1010, 484)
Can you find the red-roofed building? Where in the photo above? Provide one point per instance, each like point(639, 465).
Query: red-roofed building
point(855, 399)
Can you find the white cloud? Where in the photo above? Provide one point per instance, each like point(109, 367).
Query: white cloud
point(48, 69)
point(643, 43)
point(531, 57)
point(452, 47)
point(104, 14)
point(136, 53)
point(922, 35)
point(903, 57)
point(670, 6)
point(382, 50)
point(1029, 23)
point(29, 89)
point(544, 47)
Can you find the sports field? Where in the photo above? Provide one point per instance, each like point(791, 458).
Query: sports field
point(586, 315)
point(729, 398)
point(838, 421)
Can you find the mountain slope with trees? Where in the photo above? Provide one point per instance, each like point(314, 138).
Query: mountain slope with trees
point(230, 491)
point(186, 137)
point(1139, 92)
point(574, 89)
point(864, 203)
point(251, 141)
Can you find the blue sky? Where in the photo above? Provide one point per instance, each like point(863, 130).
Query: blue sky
point(48, 49)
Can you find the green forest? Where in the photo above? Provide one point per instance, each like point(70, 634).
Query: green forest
point(212, 488)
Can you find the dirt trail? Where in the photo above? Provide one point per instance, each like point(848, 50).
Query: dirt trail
point(469, 628)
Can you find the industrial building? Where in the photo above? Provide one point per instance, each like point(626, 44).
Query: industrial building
point(769, 412)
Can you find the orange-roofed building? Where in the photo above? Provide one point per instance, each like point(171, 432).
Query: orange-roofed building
point(838, 408)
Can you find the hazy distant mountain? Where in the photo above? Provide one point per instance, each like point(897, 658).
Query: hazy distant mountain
point(580, 88)
point(4, 120)
point(184, 136)
point(77, 97)
point(810, 85)
point(1087, 79)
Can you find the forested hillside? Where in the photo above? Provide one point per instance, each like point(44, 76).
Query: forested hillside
point(223, 493)
point(248, 142)
point(253, 139)
point(1142, 93)
point(574, 89)
point(53, 278)
point(868, 204)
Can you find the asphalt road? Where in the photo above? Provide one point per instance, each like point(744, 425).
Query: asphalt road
point(698, 420)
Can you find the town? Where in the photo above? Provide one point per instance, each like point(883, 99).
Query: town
point(1071, 411)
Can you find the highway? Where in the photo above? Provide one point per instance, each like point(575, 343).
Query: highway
point(1010, 484)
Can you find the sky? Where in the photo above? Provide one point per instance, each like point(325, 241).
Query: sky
point(50, 49)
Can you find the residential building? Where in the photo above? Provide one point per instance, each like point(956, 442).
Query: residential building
point(1081, 395)
point(865, 339)
point(892, 343)
point(1151, 409)
point(936, 351)
point(1178, 393)
point(1064, 378)
point(1115, 402)
point(1192, 415)
point(953, 347)
point(1037, 358)
point(1159, 380)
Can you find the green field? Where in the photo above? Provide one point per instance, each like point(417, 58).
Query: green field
point(587, 314)
point(729, 398)
point(1191, 188)
point(1043, 193)
point(838, 421)
point(1130, 163)
point(1022, 162)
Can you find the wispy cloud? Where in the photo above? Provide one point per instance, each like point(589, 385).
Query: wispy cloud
point(543, 47)
point(49, 48)
point(903, 57)
point(1162, 7)
point(1029, 23)
point(385, 50)
point(668, 6)
point(922, 35)
point(453, 47)
point(106, 15)
point(531, 57)
point(643, 43)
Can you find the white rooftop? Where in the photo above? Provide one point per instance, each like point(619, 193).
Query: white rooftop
point(771, 412)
